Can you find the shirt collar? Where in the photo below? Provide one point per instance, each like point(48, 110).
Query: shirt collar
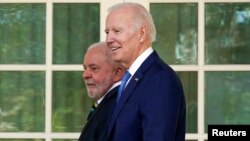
point(113, 86)
point(139, 60)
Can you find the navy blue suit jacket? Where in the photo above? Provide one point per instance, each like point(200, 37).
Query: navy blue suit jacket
point(96, 128)
point(152, 106)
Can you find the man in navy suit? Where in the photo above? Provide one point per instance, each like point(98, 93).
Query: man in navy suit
point(102, 78)
point(152, 106)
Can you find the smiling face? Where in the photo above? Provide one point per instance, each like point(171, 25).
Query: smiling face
point(122, 37)
point(99, 74)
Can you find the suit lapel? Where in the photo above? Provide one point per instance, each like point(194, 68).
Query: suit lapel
point(126, 94)
point(109, 95)
point(136, 78)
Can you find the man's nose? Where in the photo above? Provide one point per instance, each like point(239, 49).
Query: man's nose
point(86, 74)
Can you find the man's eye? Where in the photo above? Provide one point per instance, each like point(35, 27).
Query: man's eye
point(94, 69)
point(116, 31)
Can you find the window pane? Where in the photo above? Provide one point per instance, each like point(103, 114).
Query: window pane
point(189, 82)
point(22, 101)
point(227, 97)
point(70, 102)
point(75, 26)
point(227, 33)
point(176, 27)
point(22, 30)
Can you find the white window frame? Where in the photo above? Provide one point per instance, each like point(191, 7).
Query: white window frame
point(49, 67)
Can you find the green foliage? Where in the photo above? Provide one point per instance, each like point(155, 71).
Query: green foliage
point(23, 27)
point(75, 27)
point(227, 40)
point(22, 96)
point(227, 98)
point(176, 27)
point(70, 102)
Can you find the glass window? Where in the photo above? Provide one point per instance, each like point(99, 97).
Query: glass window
point(75, 26)
point(227, 33)
point(227, 97)
point(22, 101)
point(40, 72)
point(189, 82)
point(70, 102)
point(22, 30)
point(176, 27)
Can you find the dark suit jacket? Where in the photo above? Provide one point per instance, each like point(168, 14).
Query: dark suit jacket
point(152, 106)
point(96, 128)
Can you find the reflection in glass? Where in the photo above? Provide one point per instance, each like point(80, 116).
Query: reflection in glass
point(75, 27)
point(227, 97)
point(227, 33)
point(70, 102)
point(22, 101)
point(189, 82)
point(22, 31)
point(176, 27)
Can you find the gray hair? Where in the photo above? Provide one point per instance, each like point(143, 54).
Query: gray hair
point(140, 16)
point(106, 51)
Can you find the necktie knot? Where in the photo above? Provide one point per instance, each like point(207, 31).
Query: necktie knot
point(123, 84)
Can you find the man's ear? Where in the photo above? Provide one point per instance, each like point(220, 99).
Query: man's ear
point(142, 33)
point(119, 72)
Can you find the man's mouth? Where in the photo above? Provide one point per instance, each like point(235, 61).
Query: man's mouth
point(114, 48)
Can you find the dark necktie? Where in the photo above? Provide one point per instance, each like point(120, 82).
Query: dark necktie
point(123, 84)
point(92, 110)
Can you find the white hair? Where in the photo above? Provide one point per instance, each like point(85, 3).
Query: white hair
point(140, 15)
